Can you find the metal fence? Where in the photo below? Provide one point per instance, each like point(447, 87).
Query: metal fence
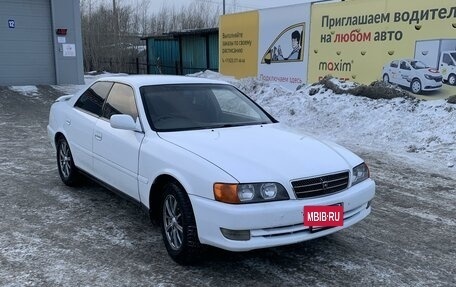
point(128, 66)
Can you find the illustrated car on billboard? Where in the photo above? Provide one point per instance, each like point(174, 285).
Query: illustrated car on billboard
point(412, 74)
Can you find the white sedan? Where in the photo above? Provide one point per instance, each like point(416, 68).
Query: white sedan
point(209, 165)
point(412, 74)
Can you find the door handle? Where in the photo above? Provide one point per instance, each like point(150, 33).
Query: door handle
point(98, 136)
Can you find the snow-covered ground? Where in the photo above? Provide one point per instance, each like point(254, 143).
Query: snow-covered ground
point(53, 235)
point(422, 132)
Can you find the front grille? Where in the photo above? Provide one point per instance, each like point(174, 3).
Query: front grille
point(322, 185)
point(438, 79)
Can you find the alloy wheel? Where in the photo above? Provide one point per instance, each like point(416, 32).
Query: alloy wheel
point(172, 220)
point(65, 159)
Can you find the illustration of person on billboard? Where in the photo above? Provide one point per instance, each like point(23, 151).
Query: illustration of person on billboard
point(275, 54)
point(295, 45)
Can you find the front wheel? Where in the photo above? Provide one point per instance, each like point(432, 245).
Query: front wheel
point(452, 79)
point(67, 170)
point(178, 226)
point(415, 86)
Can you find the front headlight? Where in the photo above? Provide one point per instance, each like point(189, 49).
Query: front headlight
point(246, 192)
point(360, 173)
point(429, 77)
point(249, 192)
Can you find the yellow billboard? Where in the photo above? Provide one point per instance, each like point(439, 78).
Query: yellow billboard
point(409, 43)
point(238, 40)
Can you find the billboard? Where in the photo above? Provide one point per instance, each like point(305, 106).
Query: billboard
point(284, 45)
point(413, 46)
point(271, 44)
point(238, 42)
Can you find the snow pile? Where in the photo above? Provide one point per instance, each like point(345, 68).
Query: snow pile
point(29, 91)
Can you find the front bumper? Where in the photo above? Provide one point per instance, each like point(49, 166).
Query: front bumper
point(275, 223)
point(431, 85)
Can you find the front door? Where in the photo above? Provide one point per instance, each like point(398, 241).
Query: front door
point(116, 151)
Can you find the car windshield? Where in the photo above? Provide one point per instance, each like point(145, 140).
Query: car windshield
point(418, 65)
point(199, 106)
point(453, 55)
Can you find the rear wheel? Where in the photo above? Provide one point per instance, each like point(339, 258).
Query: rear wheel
point(452, 79)
point(67, 170)
point(415, 86)
point(386, 78)
point(178, 226)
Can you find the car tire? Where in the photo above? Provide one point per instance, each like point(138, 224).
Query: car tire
point(178, 226)
point(68, 172)
point(415, 86)
point(386, 78)
point(452, 79)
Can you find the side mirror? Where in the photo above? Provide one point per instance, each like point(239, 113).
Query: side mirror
point(123, 122)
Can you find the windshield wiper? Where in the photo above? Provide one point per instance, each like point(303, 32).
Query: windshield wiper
point(230, 125)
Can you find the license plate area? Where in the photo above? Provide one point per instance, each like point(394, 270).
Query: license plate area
point(322, 217)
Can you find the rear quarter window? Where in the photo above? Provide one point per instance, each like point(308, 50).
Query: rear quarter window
point(92, 99)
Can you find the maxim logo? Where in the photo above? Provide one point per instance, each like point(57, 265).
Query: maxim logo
point(336, 66)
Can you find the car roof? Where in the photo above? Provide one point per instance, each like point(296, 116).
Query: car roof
point(408, 60)
point(147, 80)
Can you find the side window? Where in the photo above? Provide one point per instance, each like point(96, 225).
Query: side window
point(394, 64)
point(92, 99)
point(405, 66)
point(121, 100)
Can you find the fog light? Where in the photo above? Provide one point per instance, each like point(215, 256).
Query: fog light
point(239, 235)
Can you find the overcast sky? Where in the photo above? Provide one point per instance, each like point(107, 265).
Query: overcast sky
point(243, 4)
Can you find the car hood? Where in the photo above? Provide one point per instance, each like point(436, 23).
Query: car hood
point(270, 152)
point(428, 71)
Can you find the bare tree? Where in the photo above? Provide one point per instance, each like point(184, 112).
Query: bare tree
point(111, 31)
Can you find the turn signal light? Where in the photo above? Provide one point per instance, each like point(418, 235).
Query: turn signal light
point(225, 192)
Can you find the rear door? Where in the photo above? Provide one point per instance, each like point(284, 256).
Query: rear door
point(406, 73)
point(79, 124)
point(116, 151)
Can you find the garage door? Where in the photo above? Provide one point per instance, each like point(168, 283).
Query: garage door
point(26, 47)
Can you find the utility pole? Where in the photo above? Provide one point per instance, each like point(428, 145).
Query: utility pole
point(115, 17)
point(116, 38)
point(223, 7)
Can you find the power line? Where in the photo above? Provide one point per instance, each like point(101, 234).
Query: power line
point(231, 5)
